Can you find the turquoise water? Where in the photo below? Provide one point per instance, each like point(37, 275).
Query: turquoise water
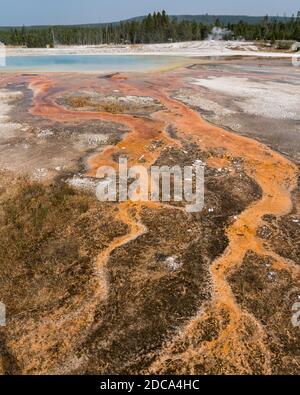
point(89, 63)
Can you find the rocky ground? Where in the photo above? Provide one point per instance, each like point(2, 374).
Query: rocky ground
point(146, 287)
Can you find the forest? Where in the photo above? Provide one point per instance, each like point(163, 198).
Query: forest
point(154, 28)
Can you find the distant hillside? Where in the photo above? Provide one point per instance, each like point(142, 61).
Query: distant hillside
point(208, 19)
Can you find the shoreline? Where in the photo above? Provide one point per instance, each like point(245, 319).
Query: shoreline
point(197, 49)
point(184, 62)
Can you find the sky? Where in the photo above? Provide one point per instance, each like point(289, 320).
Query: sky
point(43, 12)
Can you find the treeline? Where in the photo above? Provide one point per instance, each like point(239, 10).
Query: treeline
point(268, 30)
point(155, 28)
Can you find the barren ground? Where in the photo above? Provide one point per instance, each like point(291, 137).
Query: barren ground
point(92, 287)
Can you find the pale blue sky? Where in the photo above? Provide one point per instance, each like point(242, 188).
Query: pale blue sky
point(33, 12)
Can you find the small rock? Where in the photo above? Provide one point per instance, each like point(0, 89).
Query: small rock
point(173, 263)
point(272, 276)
